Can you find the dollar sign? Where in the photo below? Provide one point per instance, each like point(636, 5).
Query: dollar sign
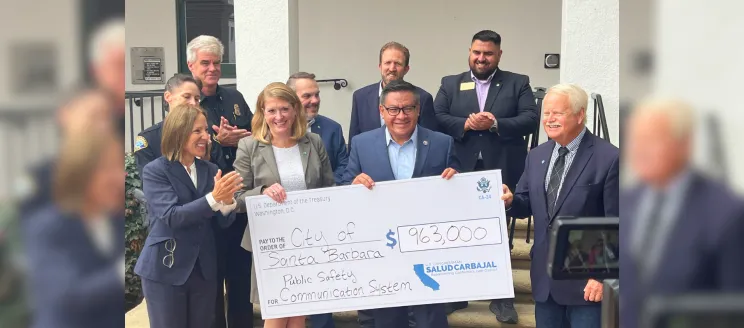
point(392, 242)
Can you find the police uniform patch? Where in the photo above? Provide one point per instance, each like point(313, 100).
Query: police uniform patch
point(140, 143)
point(236, 110)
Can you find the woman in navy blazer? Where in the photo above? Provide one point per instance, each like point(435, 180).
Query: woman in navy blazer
point(185, 193)
point(74, 244)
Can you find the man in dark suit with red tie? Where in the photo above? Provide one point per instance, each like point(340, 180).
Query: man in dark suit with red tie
point(574, 174)
point(488, 112)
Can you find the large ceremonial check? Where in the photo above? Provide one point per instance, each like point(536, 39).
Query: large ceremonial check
point(406, 242)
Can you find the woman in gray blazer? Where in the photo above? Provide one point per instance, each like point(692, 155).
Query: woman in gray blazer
point(280, 156)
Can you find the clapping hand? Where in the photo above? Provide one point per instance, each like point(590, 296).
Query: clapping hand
point(229, 135)
point(480, 121)
point(226, 186)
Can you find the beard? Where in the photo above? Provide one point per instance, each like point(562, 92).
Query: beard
point(390, 78)
point(482, 75)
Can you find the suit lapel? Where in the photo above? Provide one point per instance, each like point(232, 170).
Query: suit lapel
point(202, 171)
point(381, 152)
point(544, 156)
point(374, 106)
point(493, 90)
point(577, 166)
point(180, 173)
point(268, 155)
point(422, 150)
point(305, 148)
point(470, 96)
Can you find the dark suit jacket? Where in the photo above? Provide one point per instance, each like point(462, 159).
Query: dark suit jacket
point(434, 153)
point(703, 251)
point(258, 167)
point(177, 210)
point(511, 101)
point(365, 110)
point(73, 284)
point(147, 150)
point(590, 189)
point(333, 139)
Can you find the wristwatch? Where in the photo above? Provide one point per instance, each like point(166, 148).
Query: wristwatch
point(495, 127)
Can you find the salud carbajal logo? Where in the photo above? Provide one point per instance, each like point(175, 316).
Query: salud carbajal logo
point(484, 185)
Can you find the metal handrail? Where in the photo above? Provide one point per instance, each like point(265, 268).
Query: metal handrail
point(139, 99)
point(600, 126)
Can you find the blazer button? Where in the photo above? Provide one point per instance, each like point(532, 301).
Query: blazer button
point(480, 134)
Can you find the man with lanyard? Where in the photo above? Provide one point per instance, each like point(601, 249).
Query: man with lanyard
point(230, 118)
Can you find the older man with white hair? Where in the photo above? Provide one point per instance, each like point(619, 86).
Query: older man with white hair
point(681, 231)
point(574, 174)
point(230, 118)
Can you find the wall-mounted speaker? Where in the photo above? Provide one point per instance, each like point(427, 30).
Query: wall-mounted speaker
point(552, 61)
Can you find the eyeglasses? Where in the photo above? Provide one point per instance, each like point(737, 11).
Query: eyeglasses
point(394, 111)
point(170, 247)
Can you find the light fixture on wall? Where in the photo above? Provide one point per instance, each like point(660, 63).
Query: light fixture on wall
point(552, 61)
point(337, 83)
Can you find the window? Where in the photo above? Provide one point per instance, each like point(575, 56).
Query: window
point(210, 17)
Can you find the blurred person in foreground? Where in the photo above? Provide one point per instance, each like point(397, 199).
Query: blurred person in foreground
point(185, 194)
point(574, 174)
point(180, 89)
point(75, 244)
point(281, 156)
point(35, 188)
point(107, 61)
point(681, 232)
point(14, 311)
point(106, 53)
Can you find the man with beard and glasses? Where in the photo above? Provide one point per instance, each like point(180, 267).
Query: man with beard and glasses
point(365, 114)
point(488, 112)
point(330, 131)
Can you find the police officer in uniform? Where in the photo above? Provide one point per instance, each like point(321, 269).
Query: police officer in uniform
point(230, 119)
point(180, 89)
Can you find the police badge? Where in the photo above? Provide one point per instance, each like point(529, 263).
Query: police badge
point(236, 110)
point(140, 143)
point(484, 185)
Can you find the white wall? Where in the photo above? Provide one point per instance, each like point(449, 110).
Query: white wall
point(266, 39)
point(590, 45)
point(342, 39)
point(151, 24)
point(701, 63)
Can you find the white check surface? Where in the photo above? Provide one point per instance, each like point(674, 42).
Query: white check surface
point(406, 242)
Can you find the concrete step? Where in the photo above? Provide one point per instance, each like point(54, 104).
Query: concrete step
point(520, 230)
point(521, 251)
point(476, 315)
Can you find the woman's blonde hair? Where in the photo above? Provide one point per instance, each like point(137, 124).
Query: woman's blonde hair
point(177, 128)
point(278, 90)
